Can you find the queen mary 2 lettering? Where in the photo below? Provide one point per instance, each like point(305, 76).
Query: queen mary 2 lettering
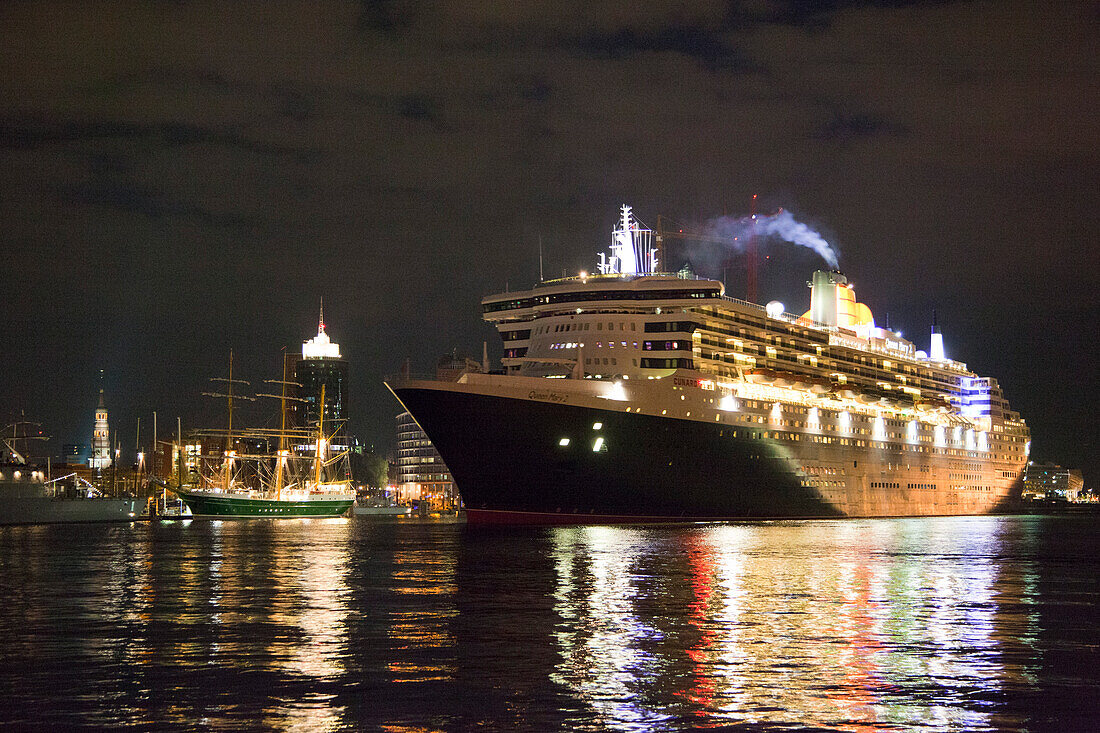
point(636, 396)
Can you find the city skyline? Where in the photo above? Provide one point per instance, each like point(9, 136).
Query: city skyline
point(184, 180)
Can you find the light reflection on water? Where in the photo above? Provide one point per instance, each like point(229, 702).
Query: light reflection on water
point(944, 624)
point(833, 624)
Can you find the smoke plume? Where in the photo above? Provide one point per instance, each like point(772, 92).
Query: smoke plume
point(781, 224)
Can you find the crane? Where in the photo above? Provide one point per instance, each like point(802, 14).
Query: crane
point(750, 249)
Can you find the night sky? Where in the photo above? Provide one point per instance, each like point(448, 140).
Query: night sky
point(179, 179)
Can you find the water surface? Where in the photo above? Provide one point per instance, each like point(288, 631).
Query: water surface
point(939, 624)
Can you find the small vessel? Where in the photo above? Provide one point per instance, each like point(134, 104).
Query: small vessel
point(304, 477)
point(382, 511)
point(29, 496)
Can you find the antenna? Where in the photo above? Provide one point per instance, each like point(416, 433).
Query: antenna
point(540, 257)
point(750, 275)
point(321, 323)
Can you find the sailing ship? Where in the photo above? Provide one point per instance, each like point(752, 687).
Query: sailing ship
point(307, 475)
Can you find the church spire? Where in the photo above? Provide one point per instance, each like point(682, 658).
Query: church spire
point(101, 444)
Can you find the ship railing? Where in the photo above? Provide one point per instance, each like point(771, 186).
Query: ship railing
point(607, 276)
point(788, 317)
point(404, 377)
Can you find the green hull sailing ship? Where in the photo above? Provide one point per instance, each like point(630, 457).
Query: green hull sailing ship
point(310, 480)
point(206, 503)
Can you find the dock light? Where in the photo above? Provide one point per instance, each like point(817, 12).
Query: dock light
point(597, 425)
point(597, 445)
point(563, 442)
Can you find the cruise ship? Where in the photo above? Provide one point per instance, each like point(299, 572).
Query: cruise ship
point(631, 395)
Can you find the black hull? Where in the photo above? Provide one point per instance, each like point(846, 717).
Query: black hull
point(508, 463)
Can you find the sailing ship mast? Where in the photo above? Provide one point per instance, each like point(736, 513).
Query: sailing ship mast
point(283, 453)
point(227, 464)
point(318, 458)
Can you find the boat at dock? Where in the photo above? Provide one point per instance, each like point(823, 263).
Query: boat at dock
point(270, 474)
point(29, 496)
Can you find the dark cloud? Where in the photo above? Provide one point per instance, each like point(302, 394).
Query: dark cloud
point(132, 198)
point(421, 108)
point(848, 128)
point(711, 49)
point(814, 15)
point(33, 133)
point(388, 18)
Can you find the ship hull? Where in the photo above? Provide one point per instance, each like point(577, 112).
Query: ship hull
point(210, 505)
point(511, 466)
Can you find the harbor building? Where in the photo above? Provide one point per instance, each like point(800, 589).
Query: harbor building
point(422, 473)
point(1050, 481)
point(74, 454)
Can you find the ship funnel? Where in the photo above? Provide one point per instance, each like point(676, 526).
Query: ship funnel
point(935, 347)
point(823, 296)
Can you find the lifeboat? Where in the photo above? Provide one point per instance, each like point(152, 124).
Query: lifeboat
point(818, 385)
point(784, 379)
point(868, 399)
point(761, 376)
point(846, 393)
point(939, 405)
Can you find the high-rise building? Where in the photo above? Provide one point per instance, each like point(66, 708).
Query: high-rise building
point(1049, 480)
point(101, 440)
point(320, 365)
point(423, 474)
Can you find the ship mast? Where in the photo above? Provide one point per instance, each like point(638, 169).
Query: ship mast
point(227, 464)
point(282, 453)
point(318, 460)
